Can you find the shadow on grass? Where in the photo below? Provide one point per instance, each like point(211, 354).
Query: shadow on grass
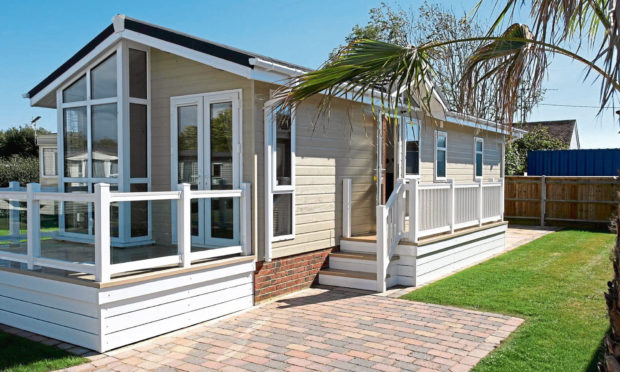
point(20, 354)
point(597, 356)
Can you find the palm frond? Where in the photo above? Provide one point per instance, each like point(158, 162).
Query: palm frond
point(383, 71)
point(507, 61)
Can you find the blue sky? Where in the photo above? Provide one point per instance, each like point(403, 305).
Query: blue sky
point(37, 36)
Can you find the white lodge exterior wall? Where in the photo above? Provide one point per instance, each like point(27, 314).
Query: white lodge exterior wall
point(343, 148)
point(460, 164)
point(172, 76)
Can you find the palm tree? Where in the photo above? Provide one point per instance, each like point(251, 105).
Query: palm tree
point(393, 75)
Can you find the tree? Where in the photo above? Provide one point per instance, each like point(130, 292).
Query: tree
point(435, 22)
point(536, 139)
point(395, 73)
point(19, 141)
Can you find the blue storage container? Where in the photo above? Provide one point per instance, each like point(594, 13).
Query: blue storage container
point(586, 162)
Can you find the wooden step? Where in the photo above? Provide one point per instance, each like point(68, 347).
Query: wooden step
point(354, 255)
point(349, 274)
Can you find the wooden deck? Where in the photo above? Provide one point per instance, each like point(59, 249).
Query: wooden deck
point(372, 238)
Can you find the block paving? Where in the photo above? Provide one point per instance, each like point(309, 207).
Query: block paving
point(319, 329)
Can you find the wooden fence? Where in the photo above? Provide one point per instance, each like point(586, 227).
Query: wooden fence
point(552, 200)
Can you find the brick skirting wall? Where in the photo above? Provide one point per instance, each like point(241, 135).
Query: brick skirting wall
point(288, 274)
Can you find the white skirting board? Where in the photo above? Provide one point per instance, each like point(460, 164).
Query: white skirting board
point(427, 263)
point(104, 319)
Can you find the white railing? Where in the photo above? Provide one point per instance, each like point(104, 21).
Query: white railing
point(390, 231)
point(445, 207)
point(433, 209)
point(102, 268)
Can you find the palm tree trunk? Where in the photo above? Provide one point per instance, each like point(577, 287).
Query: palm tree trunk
point(611, 359)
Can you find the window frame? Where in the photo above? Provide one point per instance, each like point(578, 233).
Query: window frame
point(403, 147)
point(42, 161)
point(271, 172)
point(476, 152)
point(439, 133)
point(122, 101)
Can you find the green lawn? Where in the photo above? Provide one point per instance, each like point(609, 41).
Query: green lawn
point(556, 284)
point(19, 354)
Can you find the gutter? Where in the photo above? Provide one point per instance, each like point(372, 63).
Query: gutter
point(272, 66)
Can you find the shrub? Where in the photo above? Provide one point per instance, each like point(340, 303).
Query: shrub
point(22, 169)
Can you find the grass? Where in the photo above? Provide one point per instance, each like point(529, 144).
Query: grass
point(556, 284)
point(18, 354)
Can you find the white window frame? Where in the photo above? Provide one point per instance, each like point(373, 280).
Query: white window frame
point(202, 100)
point(403, 147)
point(122, 101)
point(476, 152)
point(42, 161)
point(439, 133)
point(271, 186)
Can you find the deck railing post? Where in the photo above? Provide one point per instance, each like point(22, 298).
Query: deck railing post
point(246, 219)
point(14, 223)
point(382, 242)
point(414, 221)
point(480, 202)
point(33, 218)
point(452, 205)
point(346, 208)
point(501, 198)
point(543, 199)
point(184, 223)
point(102, 232)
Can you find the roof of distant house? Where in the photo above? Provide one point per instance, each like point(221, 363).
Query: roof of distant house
point(562, 129)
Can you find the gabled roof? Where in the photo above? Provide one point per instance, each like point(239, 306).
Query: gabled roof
point(561, 129)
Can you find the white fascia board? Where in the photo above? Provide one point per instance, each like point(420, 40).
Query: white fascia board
point(181, 51)
point(104, 45)
point(487, 125)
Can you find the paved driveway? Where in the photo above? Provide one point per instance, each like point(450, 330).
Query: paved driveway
point(323, 329)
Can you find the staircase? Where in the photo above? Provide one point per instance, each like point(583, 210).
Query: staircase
point(355, 266)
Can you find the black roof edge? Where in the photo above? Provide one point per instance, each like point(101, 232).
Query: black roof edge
point(72, 61)
point(189, 42)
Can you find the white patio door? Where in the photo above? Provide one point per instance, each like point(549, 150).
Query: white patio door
point(206, 147)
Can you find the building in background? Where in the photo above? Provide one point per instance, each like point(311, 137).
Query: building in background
point(565, 130)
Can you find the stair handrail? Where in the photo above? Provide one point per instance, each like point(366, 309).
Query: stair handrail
point(390, 230)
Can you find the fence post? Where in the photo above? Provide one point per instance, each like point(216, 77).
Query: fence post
point(543, 199)
point(33, 218)
point(452, 205)
point(382, 241)
point(502, 196)
point(184, 223)
point(346, 208)
point(102, 232)
point(14, 222)
point(413, 211)
point(246, 219)
point(480, 202)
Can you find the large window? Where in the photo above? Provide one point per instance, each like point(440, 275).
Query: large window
point(441, 154)
point(478, 157)
point(104, 113)
point(282, 127)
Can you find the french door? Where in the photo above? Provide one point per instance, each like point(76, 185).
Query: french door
point(206, 140)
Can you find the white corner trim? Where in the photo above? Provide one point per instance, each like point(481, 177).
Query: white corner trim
point(118, 21)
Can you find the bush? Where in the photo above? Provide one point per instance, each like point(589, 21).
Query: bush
point(22, 169)
point(535, 139)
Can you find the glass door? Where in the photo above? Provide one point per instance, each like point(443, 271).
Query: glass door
point(207, 157)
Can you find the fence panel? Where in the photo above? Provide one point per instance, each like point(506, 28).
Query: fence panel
point(434, 215)
point(562, 199)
